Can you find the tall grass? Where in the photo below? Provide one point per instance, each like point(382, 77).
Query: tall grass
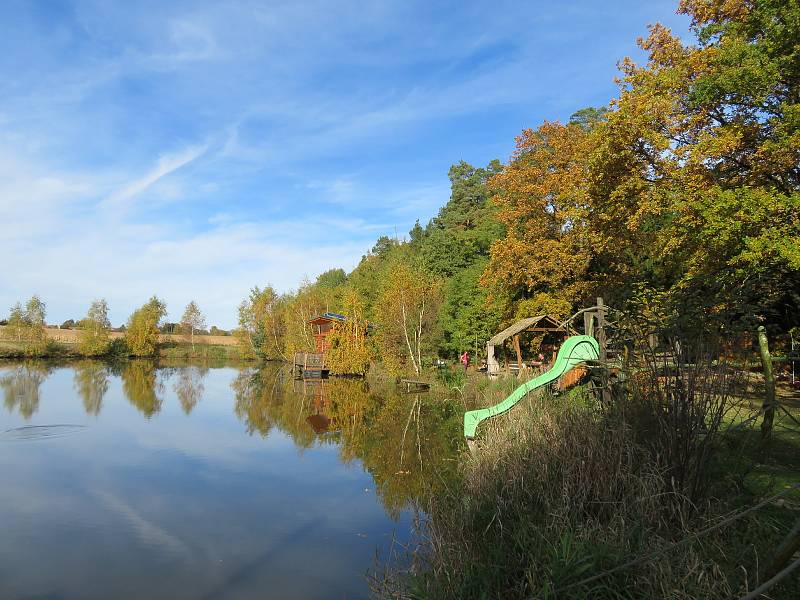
point(563, 488)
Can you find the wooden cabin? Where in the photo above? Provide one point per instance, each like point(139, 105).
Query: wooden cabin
point(312, 364)
point(322, 326)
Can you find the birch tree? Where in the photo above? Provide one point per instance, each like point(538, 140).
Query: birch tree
point(406, 310)
point(192, 320)
point(93, 337)
point(141, 335)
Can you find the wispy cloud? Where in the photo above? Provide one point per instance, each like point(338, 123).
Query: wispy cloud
point(166, 164)
point(196, 149)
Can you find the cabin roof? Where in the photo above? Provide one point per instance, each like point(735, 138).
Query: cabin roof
point(327, 317)
point(540, 322)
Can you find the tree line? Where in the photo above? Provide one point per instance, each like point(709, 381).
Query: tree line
point(26, 327)
point(681, 198)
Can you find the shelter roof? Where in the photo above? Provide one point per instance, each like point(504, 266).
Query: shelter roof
point(540, 322)
point(327, 317)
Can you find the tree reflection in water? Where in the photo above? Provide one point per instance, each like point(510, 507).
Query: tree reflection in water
point(91, 384)
point(142, 386)
point(21, 388)
point(189, 386)
point(406, 442)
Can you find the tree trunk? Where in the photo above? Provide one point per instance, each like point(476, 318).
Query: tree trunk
point(770, 400)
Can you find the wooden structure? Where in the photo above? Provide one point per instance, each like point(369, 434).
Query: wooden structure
point(322, 326)
point(309, 364)
point(312, 364)
point(544, 325)
point(412, 385)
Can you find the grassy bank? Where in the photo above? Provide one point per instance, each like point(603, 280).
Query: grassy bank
point(563, 488)
point(169, 349)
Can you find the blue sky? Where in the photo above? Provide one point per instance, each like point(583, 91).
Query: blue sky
point(194, 150)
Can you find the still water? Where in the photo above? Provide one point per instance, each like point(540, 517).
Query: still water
point(145, 481)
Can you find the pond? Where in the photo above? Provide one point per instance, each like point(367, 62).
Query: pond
point(183, 481)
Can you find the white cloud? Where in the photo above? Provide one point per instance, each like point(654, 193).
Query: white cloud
point(167, 163)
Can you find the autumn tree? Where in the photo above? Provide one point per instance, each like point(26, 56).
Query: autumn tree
point(16, 322)
point(34, 326)
point(93, 338)
point(695, 177)
point(406, 311)
point(542, 199)
point(262, 326)
point(141, 334)
point(192, 320)
point(350, 349)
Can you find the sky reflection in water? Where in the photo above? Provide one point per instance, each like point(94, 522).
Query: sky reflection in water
point(189, 482)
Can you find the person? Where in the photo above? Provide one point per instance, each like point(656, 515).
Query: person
point(465, 359)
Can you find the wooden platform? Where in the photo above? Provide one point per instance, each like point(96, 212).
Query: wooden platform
point(414, 385)
point(309, 364)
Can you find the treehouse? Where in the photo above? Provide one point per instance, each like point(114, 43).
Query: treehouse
point(322, 326)
point(534, 342)
point(312, 364)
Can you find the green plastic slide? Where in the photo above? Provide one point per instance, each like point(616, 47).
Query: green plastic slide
point(575, 350)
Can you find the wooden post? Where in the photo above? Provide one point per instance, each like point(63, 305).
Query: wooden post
point(588, 323)
point(492, 366)
point(785, 551)
point(770, 400)
point(518, 350)
point(600, 334)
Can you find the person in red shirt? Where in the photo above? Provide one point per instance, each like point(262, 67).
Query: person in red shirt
point(465, 359)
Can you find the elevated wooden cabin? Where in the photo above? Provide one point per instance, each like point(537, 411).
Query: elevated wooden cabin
point(322, 326)
point(312, 364)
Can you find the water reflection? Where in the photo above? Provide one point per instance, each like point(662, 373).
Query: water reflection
point(143, 386)
point(21, 385)
point(91, 383)
point(406, 442)
point(189, 386)
point(138, 492)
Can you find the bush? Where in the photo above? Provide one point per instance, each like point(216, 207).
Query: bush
point(117, 348)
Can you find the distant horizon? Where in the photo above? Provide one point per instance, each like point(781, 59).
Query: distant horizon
point(193, 151)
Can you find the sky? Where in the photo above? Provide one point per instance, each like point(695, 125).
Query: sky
point(193, 150)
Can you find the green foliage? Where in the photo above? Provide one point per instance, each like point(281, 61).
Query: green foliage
point(350, 348)
point(93, 339)
point(261, 325)
point(141, 335)
point(465, 227)
point(466, 318)
point(192, 321)
point(332, 279)
point(27, 326)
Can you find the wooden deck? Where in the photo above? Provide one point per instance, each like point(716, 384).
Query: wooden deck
point(412, 385)
point(309, 364)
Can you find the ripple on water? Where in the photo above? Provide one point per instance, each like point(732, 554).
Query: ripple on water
point(39, 432)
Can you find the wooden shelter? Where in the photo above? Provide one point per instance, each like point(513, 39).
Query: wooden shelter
point(322, 326)
point(312, 364)
point(541, 324)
